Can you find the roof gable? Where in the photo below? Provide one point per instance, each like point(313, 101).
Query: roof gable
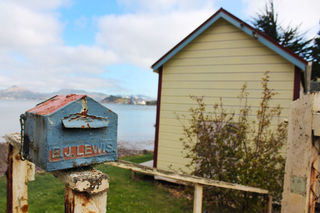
point(258, 35)
point(55, 103)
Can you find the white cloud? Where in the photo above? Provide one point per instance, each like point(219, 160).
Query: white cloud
point(143, 38)
point(58, 67)
point(291, 13)
point(166, 5)
point(32, 53)
point(74, 59)
point(22, 27)
point(88, 83)
point(152, 28)
point(40, 5)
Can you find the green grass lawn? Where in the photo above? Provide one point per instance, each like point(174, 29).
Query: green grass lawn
point(142, 194)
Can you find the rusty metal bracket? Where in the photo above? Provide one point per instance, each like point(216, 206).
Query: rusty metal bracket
point(22, 119)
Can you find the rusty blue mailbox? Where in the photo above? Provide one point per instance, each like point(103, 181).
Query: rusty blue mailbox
point(69, 131)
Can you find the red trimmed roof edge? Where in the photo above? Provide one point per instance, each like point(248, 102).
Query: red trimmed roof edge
point(221, 10)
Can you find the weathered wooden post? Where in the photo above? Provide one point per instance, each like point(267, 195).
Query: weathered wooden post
point(302, 163)
point(268, 199)
point(19, 173)
point(86, 190)
point(197, 200)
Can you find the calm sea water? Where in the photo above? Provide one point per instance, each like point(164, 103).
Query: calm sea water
point(135, 130)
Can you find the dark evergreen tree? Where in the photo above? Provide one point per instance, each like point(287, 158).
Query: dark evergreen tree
point(315, 57)
point(289, 37)
point(267, 22)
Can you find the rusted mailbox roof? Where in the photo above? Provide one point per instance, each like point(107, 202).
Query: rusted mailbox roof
point(53, 104)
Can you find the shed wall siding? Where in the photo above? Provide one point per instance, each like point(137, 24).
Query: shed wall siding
point(214, 65)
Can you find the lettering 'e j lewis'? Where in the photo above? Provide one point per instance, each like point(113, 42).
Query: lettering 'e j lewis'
point(78, 151)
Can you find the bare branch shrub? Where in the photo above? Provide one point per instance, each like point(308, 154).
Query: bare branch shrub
point(232, 147)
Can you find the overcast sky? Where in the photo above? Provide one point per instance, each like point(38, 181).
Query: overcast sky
point(109, 45)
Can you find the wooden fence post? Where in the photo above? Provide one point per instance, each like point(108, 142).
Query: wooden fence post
point(302, 155)
point(19, 173)
point(197, 199)
point(86, 190)
point(268, 199)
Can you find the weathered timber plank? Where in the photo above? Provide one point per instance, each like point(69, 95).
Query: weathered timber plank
point(186, 178)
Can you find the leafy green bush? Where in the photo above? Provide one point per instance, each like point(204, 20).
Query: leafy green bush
point(228, 146)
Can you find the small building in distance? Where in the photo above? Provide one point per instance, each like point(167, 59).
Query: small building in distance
point(214, 61)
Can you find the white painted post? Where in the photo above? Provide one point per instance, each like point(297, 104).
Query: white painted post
point(86, 190)
point(19, 173)
point(197, 200)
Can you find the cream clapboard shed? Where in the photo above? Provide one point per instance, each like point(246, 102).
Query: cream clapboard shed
point(214, 61)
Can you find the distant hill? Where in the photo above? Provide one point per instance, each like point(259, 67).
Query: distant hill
point(95, 95)
point(16, 92)
point(125, 100)
point(19, 93)
point(116, 100)
point(151, 103)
